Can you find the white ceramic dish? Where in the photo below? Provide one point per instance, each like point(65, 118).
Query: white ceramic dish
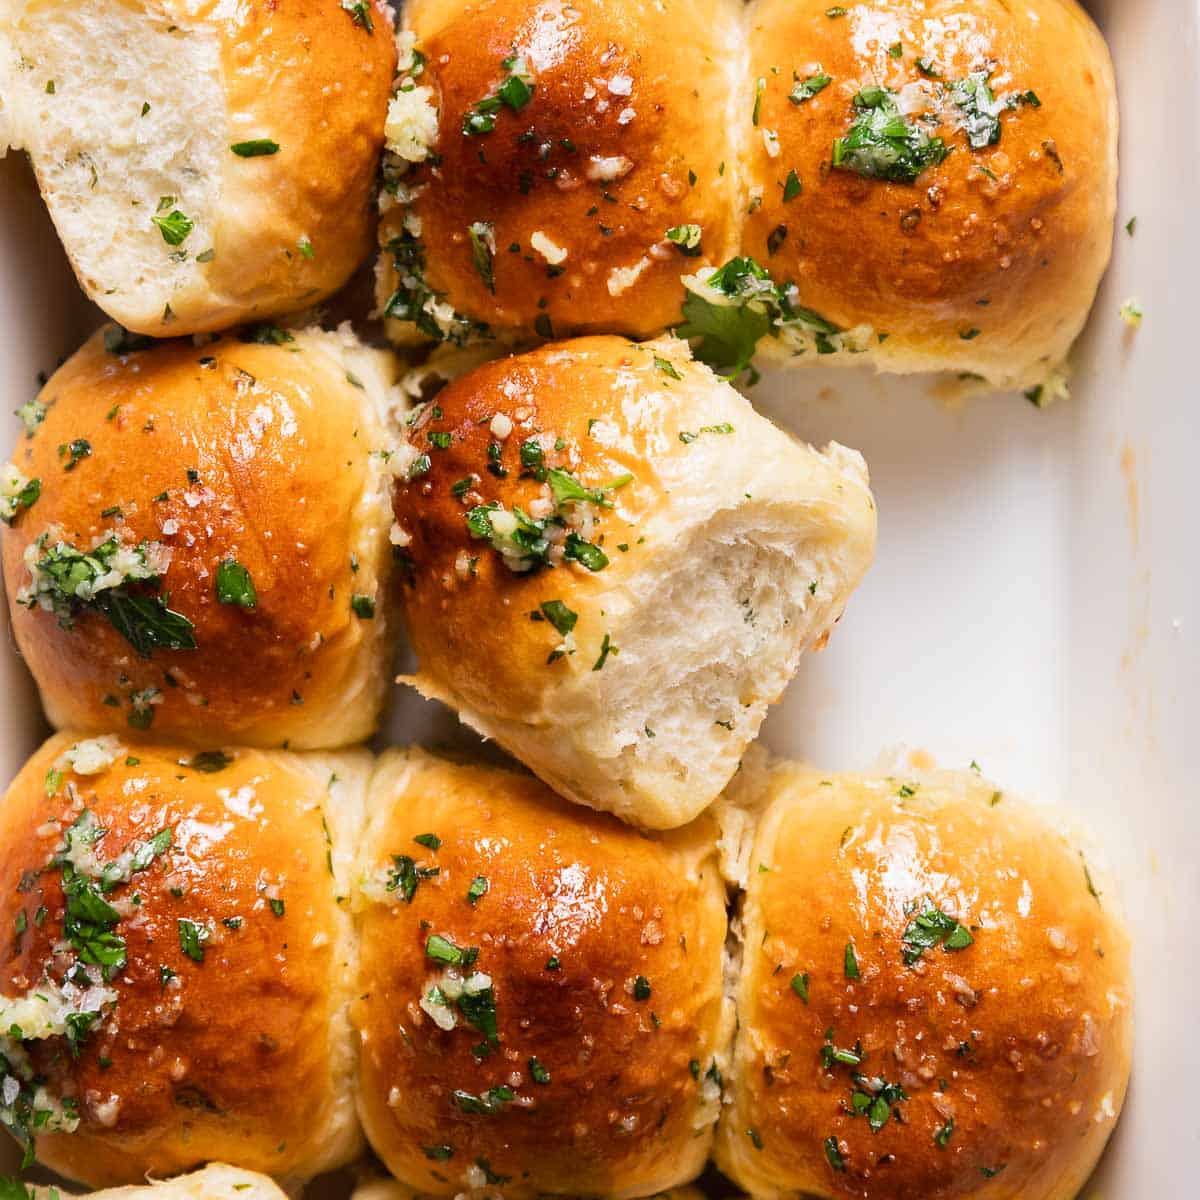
point(1035, 605)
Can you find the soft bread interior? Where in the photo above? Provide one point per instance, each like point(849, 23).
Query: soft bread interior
point(121, 110)
point(700, 646)
point(710, 644)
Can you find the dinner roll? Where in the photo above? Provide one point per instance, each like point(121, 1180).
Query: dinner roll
point(208, 555)
point(542, 1008)
point(614, 566)
point(215, 1182)
point(555, 168)
point(182, 963)
point(204, 164)
point(931, 183)
point(933, 999)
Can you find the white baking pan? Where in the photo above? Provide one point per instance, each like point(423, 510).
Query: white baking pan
point(1036, 601)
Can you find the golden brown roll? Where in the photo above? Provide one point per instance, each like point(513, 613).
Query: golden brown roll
point(208, 552)
point(933, 1000)
point(542, 1007)
point(205, 164)
point(177, 987)
point(215, 1182)
point(555, 168)
point(614, 565)
point(937, 180)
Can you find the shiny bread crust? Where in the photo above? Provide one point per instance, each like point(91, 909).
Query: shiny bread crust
point(984, 264)
point(988, 263)
point(243, 1056)
point(1012, 1040)
point(604, 950)
point(624, 138)
point(265, 455)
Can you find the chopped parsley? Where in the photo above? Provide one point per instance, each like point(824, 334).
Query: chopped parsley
point(800, 986)
point(192, 937)
point(943, 1135)
point(686, 239)
point(234, 585)
point(75, 452)
point(442, 949)
point(482, 235)
point(931, 927)
point(487, 1103)
point(807, 88)
point(478, 889)
point(832, 1153)
point(414, 300)
point(404, 876)
point(210, 761)
point(266, 334)
point(430, 841)
point(874, 1098)
point(64, 581)
point(667, 367)
point(514, 92)
point(980, 110)
point(606, 648)
point(360, 13)
point(559, 615)
point(255, 148)
point(883, 143)
point(442, 1153)
point(641, 988)
point(363, 607)
point(792, 187)
point(172, 224)
point(17, 494)
point(33, 412)
point(538, 1072)
point(522, 541)
point(831, 1054)
point(746, 305)
point(850, 962)
point(687, 437)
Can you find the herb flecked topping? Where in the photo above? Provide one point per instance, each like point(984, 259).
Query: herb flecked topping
point(883, 143)
point(111, 578)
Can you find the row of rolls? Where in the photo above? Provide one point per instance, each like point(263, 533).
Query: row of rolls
point(236, 938)
point(604, 558)
point(906, 984)
point(922, 184)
